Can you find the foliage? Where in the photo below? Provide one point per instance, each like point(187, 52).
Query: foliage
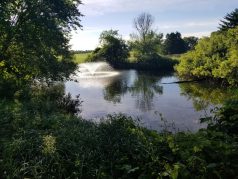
point(230, 21)
point(113, 48)
point(225, 119)
point(174, 44)
point(54, 143)
point(190, 42)
point(146, 42)
point(143, 24)
point(213, 58)
point(148, 47)
point(34, 38)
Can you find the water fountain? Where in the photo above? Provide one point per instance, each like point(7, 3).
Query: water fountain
point(95, 70)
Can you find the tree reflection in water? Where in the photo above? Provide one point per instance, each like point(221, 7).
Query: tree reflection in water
point(115, 90)
point(143, 87)
point(205, 94)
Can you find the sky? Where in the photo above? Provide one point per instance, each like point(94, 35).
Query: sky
point(189, 17)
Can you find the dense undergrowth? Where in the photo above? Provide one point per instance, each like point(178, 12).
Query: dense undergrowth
point(41, 138)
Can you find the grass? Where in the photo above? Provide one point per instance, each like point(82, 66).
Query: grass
point(174, 56)
point(132, 58)
point(81, 57)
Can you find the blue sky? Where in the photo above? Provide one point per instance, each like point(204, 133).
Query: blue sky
point(189, 17)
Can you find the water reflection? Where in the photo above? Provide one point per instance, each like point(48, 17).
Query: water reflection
point(145, 95)
point(204, 94)
point(115, 90)
point(144, 89)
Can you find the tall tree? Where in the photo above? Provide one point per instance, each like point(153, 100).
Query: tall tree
point(113, 47)
point(230, 20)
point(146, 41)
point(34, 39)
point(174, 44)
point(143, 24)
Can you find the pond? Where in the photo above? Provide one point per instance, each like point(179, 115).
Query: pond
point(150, 97)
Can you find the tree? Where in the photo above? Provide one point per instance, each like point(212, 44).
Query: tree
point(230, 21)
point(146, 42)
point(143, 24)
point(113, 47)
point(174, 44)
point(190, 42)
point(34, 39)
point(214, 57)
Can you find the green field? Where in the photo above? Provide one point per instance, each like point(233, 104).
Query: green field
point(80, 57)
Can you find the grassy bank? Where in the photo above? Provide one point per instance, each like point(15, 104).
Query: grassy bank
point(80, 57)
point(41, 138)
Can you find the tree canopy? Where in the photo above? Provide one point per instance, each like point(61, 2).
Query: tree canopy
point(146, 41)
point(230, 20)
point(143, 24)
point(34, 39)
point(113, 48)
point(214, 57)
point(174, 44)
point(190, 42)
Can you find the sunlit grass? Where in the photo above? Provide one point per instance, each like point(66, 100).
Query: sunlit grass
point(131, 57)
point(173, 56)
point(81, 57)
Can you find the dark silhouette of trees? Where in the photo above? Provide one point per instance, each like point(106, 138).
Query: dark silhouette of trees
point(230, 21)
point(174, 44)
point(190, 42)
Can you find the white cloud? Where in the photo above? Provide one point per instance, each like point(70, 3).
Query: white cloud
point(100, 7)
point(197, 34)
point(84, 40)
point(188, 24)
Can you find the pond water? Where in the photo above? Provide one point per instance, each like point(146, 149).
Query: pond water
point(147, 96)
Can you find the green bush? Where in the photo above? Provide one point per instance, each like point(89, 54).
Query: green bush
point(215, 57)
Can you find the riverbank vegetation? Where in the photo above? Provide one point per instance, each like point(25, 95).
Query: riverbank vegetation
point(214, 57)
point(42, 134)
point(55, 143)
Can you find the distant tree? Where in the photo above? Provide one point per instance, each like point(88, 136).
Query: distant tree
point(143, 24)
point(113, 47)
point(146, 42)
point(174, 44)
point(34, 38)
point(190, 42)
point(230, 20)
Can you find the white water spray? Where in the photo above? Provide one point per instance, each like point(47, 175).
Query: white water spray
point(95, 70)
